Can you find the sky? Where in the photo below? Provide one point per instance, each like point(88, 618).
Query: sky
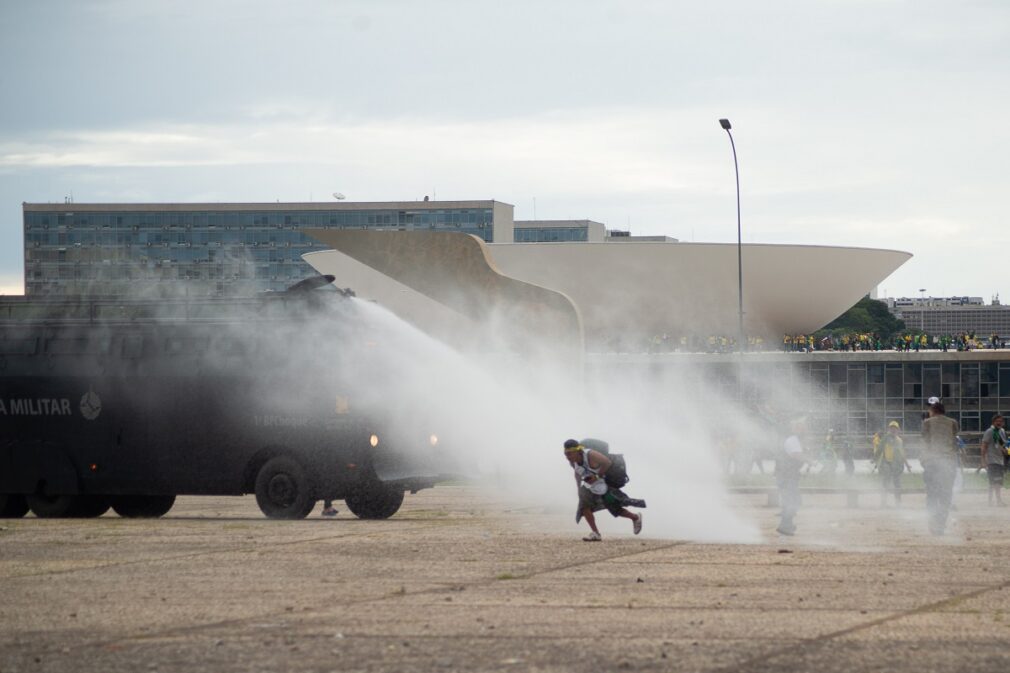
point(870, 123)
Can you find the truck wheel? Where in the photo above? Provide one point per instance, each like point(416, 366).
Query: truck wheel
point(142, 506)
point(52, 506)
point(283, 489)
point(90, 506)
point(374, 501)
point(13, 506)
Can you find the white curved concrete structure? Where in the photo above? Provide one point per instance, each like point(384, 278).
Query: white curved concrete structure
point(692, 288)
point(646, 288)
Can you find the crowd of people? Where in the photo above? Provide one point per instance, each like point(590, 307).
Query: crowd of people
point(909, 341)
point(669, 343)
point(851, 341)
point(942, 456)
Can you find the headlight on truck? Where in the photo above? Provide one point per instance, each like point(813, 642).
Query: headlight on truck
point(374, 440)
point(433, 440)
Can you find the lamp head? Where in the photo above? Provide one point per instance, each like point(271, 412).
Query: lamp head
point(725, 124)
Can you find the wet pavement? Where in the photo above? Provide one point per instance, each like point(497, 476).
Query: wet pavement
point(456, 582)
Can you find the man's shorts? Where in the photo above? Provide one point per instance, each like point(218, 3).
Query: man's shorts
point(995, 471)
point(588, 499)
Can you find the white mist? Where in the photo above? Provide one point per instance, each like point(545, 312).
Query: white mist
point(505, 418)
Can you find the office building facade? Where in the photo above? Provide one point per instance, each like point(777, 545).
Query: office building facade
point(233, 248)
point(938, 320)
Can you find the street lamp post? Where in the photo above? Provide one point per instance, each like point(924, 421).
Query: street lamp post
point(739, 242)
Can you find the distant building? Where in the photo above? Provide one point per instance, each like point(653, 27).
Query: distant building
point(556, 231)
point(952, 315)
point(894, 303)
point(581, 231)
point(630, 287)
point(214, 248)
point(639, 290)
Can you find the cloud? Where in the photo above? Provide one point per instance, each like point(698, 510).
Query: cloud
point(598, 150)
point(181, 146)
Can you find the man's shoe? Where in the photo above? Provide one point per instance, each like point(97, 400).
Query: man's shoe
point(329, 511)
point(785, 531)
point(637, 524)
point(592, 537)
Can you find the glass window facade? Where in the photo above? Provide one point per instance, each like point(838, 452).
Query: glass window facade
point(859, 398)
point(205, 251)
point(854, 397)
point(550, 234)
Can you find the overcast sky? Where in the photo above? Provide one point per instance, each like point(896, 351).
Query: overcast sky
point(877, 123)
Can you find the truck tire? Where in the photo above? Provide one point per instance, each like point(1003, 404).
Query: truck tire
point(283, 489)
point(142, 506)
point(374, 501)
point(13, 506)
point(53, 506)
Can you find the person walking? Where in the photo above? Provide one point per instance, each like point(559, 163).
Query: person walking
point(791, 458)
point(994, 449)
point(939, 461)
point(891, 462)
point(848, 459)
point(829, 454)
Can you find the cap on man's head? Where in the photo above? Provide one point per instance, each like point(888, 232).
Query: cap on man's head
point(572, 445)
point(894, 424)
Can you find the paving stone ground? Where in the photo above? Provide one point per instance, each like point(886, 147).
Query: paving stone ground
point(457, 582)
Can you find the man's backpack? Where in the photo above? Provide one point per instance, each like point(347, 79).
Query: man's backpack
point(596, 445)
point(617, 475)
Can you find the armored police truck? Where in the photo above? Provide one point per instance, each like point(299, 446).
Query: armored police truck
point(128, 403)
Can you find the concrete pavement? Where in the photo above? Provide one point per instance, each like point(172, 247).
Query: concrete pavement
point(457, 582)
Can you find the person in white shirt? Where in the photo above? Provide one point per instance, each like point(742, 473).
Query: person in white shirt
point(590, 468)
point(791, 458)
